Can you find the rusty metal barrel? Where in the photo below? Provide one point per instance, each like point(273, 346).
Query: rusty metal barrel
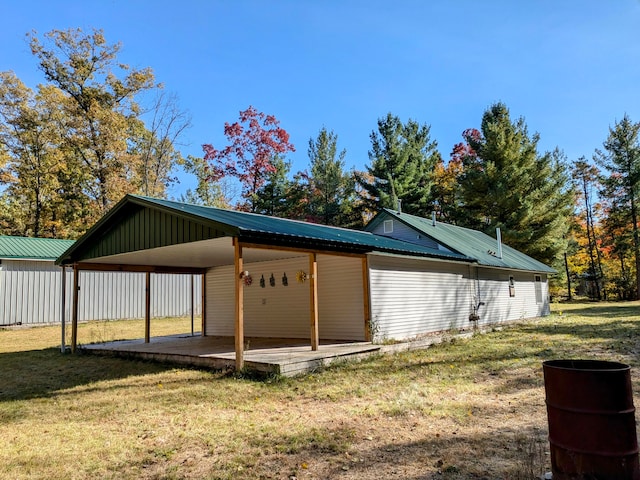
point(592, 428)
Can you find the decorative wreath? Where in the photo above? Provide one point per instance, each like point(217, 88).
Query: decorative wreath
point(301, 277)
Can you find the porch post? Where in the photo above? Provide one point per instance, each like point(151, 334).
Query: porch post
point(366, 299)
point(192, 303)
point(147, 307)
point(203, 293)
point(74, 314)
point(313, 299)
point(63, 307)
point(239, 327)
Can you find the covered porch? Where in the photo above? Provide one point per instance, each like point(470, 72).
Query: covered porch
point(271, 356)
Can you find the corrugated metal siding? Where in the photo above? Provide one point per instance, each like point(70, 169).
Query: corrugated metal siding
point(403, 232)
point(499, 306)
point(30, 293)
point(413, 297)
point(284, 311)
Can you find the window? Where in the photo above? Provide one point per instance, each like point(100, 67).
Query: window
point(538, 289)
point(512, 286)
point(388, 226)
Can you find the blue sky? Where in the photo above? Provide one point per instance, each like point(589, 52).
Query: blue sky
point(570, 68)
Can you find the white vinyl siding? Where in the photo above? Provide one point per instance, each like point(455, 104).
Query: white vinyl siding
point(284, 311)
point(31, 293)
point(411, 297)
point(499, 307)
point(340, 298)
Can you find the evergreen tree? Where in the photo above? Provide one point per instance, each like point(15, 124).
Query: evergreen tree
point(332, 190)
point(507, 184)
point(621, 158)
point(273, 196)
point(402, 158)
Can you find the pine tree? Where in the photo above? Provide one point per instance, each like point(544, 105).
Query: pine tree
point(332, 190)
point(621, 158)
point(402, 158)
point(506, 183)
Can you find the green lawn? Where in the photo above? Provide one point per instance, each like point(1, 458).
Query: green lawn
point(465, 409)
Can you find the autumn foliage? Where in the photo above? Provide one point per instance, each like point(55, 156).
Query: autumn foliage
point(254, 142)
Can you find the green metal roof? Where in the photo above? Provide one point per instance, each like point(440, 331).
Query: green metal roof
point(28, 248)
point(471, 243)
point(133, 218)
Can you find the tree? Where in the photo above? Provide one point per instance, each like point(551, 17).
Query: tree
point(444, 191)
point(28, 134)
point(155, 143)
point(586, 176)
point(207, 193)
point(100, 108)
point(255, 141)
point(273, 197)
point(507, 184)
point(402, 160)
point(621, 158)
point(332, 190)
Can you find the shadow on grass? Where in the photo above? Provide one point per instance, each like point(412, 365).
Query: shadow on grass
point(45, 373)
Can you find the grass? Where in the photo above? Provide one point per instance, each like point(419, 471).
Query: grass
point(467, 409)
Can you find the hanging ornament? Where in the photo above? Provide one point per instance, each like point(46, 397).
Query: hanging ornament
point(301, 277)
point(285, 280)
point(248, 279)
point(272, 280)
point(262, 284)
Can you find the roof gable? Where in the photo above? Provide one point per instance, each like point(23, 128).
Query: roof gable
point(468, 242)
point(29, 248)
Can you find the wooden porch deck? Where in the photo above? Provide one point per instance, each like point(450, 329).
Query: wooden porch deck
point(282, 356)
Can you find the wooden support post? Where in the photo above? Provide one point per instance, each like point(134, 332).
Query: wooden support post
point(313, 300)
point(366, 300)
point(239, 283)
point(192, 303)
point(74, 315)
point(203, 293)
point(147, 308)
point(63, 307)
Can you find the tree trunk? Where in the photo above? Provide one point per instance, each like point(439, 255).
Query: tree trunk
point(566, 266)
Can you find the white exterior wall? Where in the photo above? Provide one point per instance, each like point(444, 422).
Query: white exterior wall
point(30, 293)
point(499, 306)
point(284, 311)
point(411, 297)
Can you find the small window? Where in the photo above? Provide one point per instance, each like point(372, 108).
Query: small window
point(538, 289)
point(512, 286)
point(388, 226)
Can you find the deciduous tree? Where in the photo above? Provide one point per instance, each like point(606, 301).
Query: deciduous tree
point(255, 141)
point(100, 108)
